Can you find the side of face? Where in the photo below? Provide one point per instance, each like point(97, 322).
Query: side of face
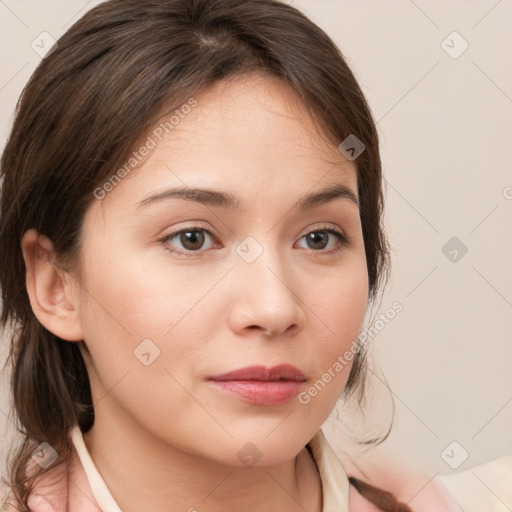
point(157, 324)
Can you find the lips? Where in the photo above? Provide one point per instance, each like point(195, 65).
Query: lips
point(261, 373)
point(260, 385)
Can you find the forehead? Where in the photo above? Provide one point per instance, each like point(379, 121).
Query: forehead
point(250, 115)
point(244, 134)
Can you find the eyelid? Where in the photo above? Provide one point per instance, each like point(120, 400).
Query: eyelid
point(323, 226)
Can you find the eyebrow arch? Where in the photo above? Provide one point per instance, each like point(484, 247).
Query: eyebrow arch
point(227, 200)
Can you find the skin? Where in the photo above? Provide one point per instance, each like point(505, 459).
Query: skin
point(209, 313)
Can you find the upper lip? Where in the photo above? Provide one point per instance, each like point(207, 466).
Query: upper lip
point(262, 373)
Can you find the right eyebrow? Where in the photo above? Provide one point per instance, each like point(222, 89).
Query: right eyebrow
point(204, 196)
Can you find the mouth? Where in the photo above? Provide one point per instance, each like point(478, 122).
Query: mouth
point(261, 373)
point(260, 385)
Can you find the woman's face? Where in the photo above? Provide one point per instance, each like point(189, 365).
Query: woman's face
point(161, 313)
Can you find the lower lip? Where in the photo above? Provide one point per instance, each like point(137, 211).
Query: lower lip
point(261, 392)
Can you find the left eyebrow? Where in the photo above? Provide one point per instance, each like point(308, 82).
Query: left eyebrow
point(217, 198)
point(326, 195)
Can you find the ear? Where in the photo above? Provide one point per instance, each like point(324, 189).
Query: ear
point(52, 292)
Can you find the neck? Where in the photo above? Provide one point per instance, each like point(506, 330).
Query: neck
point(144, 473)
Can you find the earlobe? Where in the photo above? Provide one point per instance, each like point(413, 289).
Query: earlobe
point(53, 298)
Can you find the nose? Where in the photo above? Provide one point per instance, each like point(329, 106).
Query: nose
point(264, 300)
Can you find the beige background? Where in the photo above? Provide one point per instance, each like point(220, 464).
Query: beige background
point(446, 132)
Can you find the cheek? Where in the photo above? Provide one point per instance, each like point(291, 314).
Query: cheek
point(146, 296)
point(131, 300)
point(347, 312)
point(341, 303)
point(341, 307)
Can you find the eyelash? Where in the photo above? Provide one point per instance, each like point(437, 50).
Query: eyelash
point(344, 241)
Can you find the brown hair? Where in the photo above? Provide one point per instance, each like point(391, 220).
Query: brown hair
point(382, 499)
point(110, 77)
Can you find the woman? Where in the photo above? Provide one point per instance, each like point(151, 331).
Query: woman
point(191, 235)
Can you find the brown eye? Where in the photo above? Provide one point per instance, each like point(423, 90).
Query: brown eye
point(187, 240)
point(192, 240)
point(319, 239)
